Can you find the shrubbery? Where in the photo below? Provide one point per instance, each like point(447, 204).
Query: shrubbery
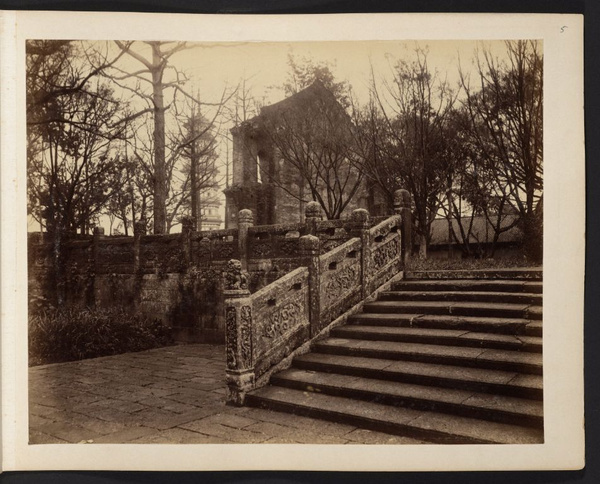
point(58, 335)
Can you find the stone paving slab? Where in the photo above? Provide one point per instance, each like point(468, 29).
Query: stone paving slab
point(167, 395)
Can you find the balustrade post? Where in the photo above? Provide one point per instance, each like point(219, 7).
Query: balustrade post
point(309, 252)
point(402, 207)
point(238, 333)
point(359, 227)
point(245, 220)
point(187, 227)
point(312, 215)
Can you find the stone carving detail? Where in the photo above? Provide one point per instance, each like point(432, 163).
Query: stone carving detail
point(231, 337)
point(288, 247)
point(260, 249)
point(235, 278)
point(345, 280)
point(245, 337)
point(223, 250)
point(384, 254)
point(282, 319)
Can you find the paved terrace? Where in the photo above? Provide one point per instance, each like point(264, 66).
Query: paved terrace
point(167, 395)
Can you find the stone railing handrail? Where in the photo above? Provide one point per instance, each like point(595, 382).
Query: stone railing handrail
point(393, 221)
point(214, 234)
point(310, 299)
point(276, 229)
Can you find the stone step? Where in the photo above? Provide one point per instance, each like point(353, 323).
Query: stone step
point(448, 376)
point(494, 274)
point(469, 285)
point(515, 326)
point(446, 337)
point(496, 408)
point(424, 425)
point(500, 310)
point(505, 360)
point(470, 296)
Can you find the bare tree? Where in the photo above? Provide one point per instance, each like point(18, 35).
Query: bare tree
point(161, 86)
point(154, 65)
point(200, 154)
point(416, 107)
point(313, 136)
point(505, 109)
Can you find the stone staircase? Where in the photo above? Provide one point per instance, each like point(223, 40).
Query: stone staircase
point(452, 358)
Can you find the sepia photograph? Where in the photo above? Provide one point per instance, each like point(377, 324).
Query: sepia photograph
point(291, 242)
point(332, 242)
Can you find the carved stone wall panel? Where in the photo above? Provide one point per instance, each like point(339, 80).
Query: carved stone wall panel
point(260, 249)
point(225, 250)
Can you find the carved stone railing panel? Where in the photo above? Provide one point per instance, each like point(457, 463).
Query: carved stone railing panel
point(222, 250)
point(385, 252)
point(340, 280)
point(282, 321)
point(161, 254)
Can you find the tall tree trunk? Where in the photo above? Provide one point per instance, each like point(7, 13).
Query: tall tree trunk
point(160, 179)
point(422, 246)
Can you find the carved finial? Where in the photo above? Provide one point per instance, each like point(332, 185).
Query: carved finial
point(313, 210)
point(245, 216)
point(359, 218)
point(401, 199)
point(235, 277)
point(309, 245)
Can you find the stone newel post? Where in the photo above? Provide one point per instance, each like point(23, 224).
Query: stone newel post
point(238, 333)
point(402, 207)
point(245, 220)
point(359, 227)
point(309, 252)
point(312, 214)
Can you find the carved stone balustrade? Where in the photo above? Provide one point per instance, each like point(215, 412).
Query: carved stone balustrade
point(262, 328)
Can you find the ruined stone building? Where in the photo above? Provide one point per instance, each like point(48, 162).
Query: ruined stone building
point(275, 189)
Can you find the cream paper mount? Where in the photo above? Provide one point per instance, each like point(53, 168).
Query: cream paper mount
point(266, 38)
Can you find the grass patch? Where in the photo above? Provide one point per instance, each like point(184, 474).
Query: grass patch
point(59, 335)
point(416, 264)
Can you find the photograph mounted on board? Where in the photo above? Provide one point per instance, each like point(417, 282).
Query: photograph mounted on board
point(332, 242)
